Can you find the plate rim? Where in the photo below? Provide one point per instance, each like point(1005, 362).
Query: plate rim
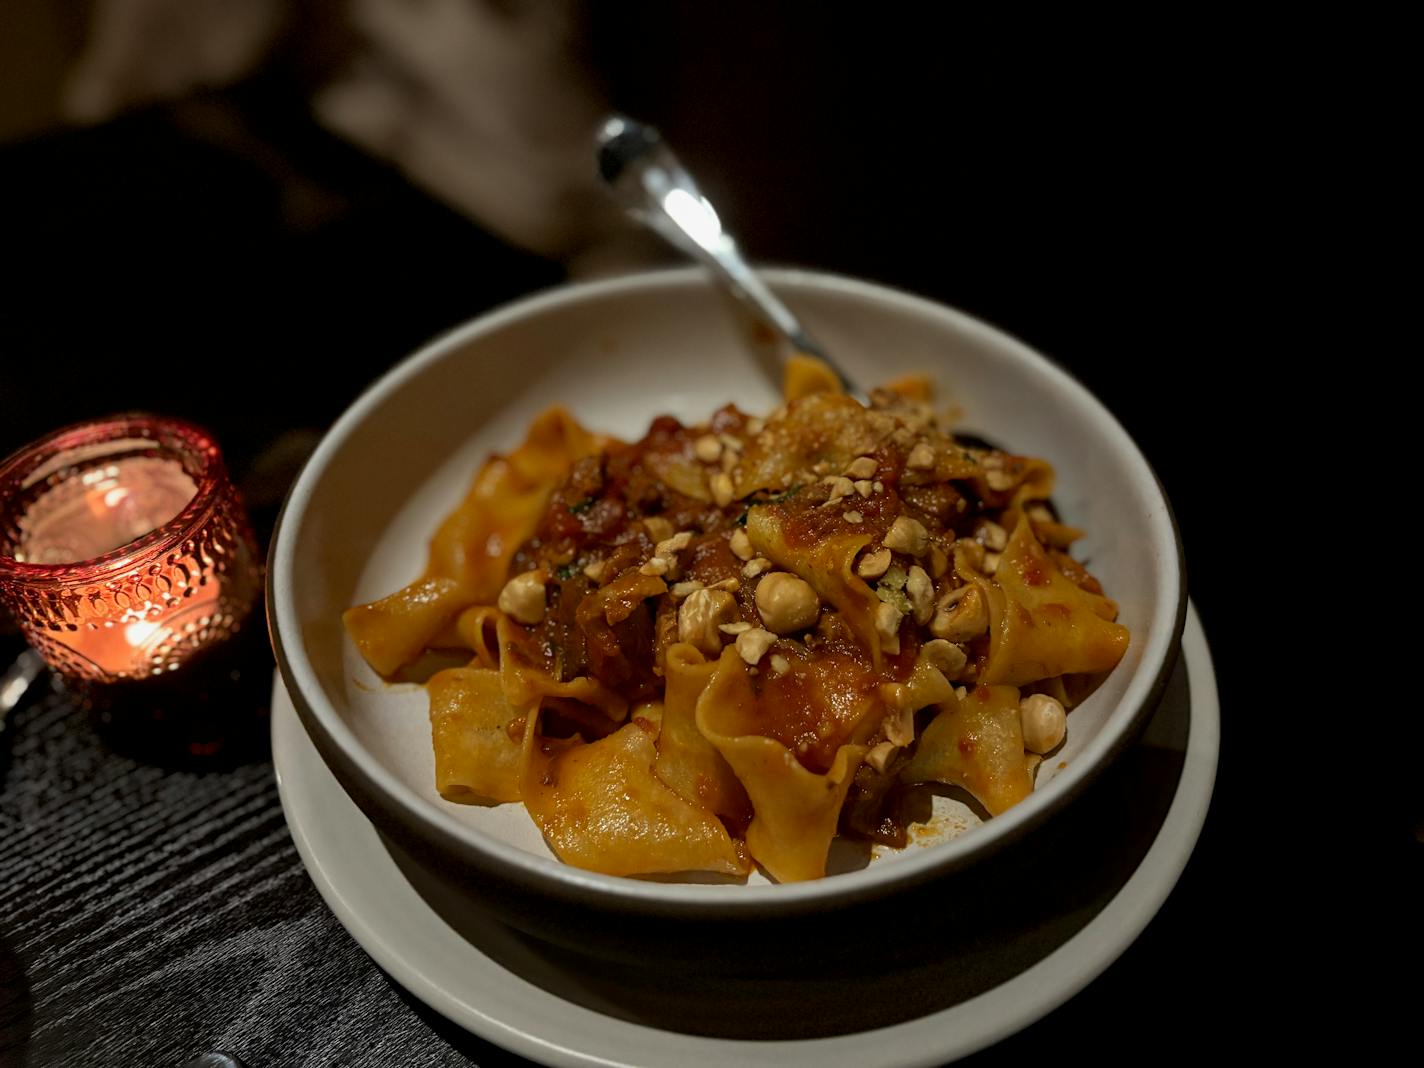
point(954, 1032)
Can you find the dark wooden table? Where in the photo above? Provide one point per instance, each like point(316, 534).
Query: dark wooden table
point(151, 913)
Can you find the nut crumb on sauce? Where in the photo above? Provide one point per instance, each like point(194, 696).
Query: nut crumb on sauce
point(862, 467)
point(522, 598)
point(722, 490)
point(701, 615)
point(887, 625)
point(879, 756)
point(707, 448)
point(873, 565)
point(991, 535)
point(908, 536)
point(920, 591)
point(753, 643)
point(922, 457)
point(965, 620)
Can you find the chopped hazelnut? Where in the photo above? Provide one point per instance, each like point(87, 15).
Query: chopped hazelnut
point(945, 656)
point(861, 467)
point(742, 545)
point(922, 457)
point(675, 544)
point(967, 619)
point(999, 480)
point(522, 598)
point(899, 727)
point(951, 596)
point(657, 565)
point(992, 536)
point(722, 490)
point(753, 643)
point(887, 625)
point(879, 757)
point(1044, 722)
point(907, 535)
point(700, 616)
point(873, 565)
point(707, 448)
point(756, 567)
point(786, 603)
point(920, 590)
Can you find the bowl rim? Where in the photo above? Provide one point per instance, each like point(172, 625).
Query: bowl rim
point(398, 810)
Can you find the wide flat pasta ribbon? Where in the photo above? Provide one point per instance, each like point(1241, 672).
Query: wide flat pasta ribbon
point(796, 810)
point(1040, 623)
point(976, 743)
point(687, 761)
point(806, 375)
point(469, 556)
point(477, 735)
point(601, 808)
point(526, 682)
point(828, 428)
point(477, 628)
point(395, 630)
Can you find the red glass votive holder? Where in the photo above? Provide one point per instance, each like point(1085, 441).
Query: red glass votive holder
point(124, 550)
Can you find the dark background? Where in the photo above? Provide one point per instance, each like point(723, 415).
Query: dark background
point(1102, 191)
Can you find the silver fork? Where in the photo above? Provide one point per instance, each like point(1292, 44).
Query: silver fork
point(656, 190)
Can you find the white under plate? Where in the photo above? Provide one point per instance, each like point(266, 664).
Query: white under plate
point(561, 1009)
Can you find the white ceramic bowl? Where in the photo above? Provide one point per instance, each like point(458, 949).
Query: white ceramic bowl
point(618, 353)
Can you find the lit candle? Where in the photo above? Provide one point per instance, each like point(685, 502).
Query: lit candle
point(124, 551)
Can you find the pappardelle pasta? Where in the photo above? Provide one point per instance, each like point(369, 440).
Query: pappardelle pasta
point(723, 645)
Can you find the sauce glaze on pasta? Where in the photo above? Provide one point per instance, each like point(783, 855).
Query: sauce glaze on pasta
point(721, 646)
